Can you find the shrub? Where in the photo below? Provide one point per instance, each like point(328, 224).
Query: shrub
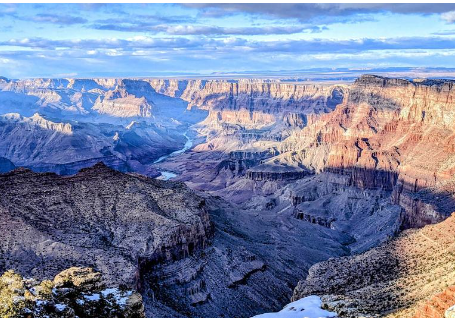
point(12, 300)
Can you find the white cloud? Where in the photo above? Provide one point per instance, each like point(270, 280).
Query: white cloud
point(448, 16)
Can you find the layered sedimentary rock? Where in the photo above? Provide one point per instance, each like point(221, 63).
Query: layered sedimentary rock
point(389, 134)
point(272, 173)
point(73, 96)
point(439, 306)
point(246, 270)
point(376, 138)
point(98, 217)
point(66, 147)
point(121, 102)
point(399, 278)
point(63, 125)
point(156, 236)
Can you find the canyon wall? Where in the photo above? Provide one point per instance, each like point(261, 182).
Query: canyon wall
point(99, 217)
point(401, 278)
point(390, 134)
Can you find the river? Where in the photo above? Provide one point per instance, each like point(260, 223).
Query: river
point(166, 175)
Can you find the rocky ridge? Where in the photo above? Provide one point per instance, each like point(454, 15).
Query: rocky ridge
point(396, 279)
point(99, 217)
point(74, 293)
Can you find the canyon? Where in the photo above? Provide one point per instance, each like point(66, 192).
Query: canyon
point(271, 185)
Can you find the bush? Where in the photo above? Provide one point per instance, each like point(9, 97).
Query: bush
point(12, 301)
point(46, 287)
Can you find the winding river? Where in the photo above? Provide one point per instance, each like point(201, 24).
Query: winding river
point(166, 175)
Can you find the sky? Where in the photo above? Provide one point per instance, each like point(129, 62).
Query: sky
point(102, 40)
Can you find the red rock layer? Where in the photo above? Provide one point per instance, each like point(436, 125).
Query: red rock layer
point(388, 133)
point(436, 306)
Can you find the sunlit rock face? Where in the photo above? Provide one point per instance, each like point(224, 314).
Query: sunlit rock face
point(390, 134)
point(408, 276)
point(398, 133)
point(128, 99)
point(440, 305)
point(93, 114)
point(374, 159)
point(252, 103)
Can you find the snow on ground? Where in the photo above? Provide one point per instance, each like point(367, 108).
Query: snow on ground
point(121, 297)
point(92, 297)
point(60, 307)
point(308, 307)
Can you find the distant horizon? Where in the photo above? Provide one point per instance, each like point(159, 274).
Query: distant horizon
point(311, 74)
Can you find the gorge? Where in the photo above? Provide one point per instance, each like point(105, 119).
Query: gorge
point(275, 189)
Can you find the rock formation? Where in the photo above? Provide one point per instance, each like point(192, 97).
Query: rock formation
point(378, 163)
point(74, 293)
point(439, 306)
point(66, 147)
point(404, 277)
point(98, 217)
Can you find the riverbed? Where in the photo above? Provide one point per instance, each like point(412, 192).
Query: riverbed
point(166, 175)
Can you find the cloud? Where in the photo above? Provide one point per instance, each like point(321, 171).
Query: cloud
point(206, 30)
point(449, 16)
point(155, 63)
point(144, 20)
point(108, 43)
point(8, 10)
point(356, 45)
point(209, 45)
point(444, 33)
point(57, 19)
point(308, 12)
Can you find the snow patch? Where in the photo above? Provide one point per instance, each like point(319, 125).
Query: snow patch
point(92, 297)
point(120, 297)
point(60, 307)
point(308, 307)
point(109, 291)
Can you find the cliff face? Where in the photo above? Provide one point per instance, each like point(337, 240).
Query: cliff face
point(155, 235)
point(66, 147)
point(256, 94)
point(391, 134)
point(136, 97)
point(100, 218)
point(382, 156)
point(253, 103)
point(399, 278)
point(398, 133)
point(63, 125)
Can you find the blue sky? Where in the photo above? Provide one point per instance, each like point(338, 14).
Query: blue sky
point(87, 40)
